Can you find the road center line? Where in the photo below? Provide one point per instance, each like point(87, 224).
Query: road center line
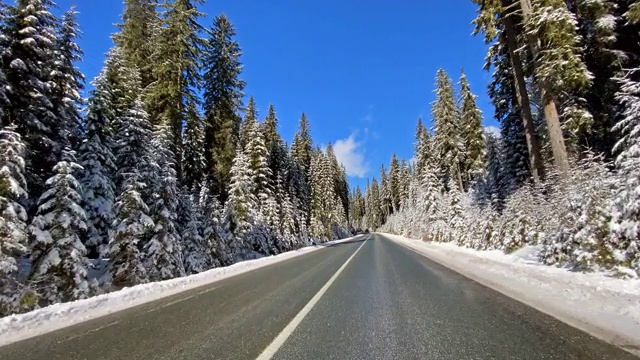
point(275, 345)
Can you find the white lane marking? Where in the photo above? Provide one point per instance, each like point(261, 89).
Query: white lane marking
point(88, 332)
point(206, 291)
point(169, 304)
point(275, 345)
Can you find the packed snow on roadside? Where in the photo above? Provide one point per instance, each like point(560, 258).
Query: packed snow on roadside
point(57, 316)
point(604, 306)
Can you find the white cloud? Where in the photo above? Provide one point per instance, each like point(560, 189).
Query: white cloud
point(493, 130)
point(350, 153)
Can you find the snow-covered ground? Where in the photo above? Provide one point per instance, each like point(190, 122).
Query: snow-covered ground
point(57, 316)
point(608, 308)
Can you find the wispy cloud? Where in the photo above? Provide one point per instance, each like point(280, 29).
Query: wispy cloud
point(350, 153)
point(368, 118)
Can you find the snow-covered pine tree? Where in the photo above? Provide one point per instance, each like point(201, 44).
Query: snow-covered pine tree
point(302, 145)
point(68, 80)
point(97, 160)
point(597, 25)
point(448, 144)
point(386, 202)
point(28, 61)
point(472, 133)
point(394, 183)
point(248, 122)
point(13, 217)
point(240, 208)
point(214, 235)
point(197, 256)
point(555, 45)
point(131, 226)
point(222, 101)
point(163, 252)
point(59, 262)
point(193, 154)
point(133, 151)
point(625, 209)
point(258, 155)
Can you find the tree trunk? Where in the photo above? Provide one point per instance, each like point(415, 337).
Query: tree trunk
point(554, 128)
point(535, 155)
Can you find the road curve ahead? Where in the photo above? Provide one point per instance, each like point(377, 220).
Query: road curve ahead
point(369, 299)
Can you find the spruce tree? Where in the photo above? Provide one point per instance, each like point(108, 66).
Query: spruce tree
point(197, 257)
point(131, 226)
point(163, 252)
point(133, 151)
point(176, 59)
point(394, 183)
point(29, 60)
point(625, 209)
point(447, 141)
point(256, 152)
point(241, 206)
point(68, 80)
point(222, 102)
point(136, 39)
point(59, 262)
point(472, 132)
point(98, 161)
point(247, 124)
point(13, 217)
point(193, 154)
point(302, 145)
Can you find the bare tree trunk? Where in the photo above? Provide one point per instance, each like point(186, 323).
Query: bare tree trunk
point(535, 155)
point(554, 128)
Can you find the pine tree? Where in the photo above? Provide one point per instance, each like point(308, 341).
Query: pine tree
point(13, 217)
point(386, 202)
point(302, 145)
point(498, 21)
point(626, 204)
point(270, 129)
point(133, 151)
point(140, 25)
point(222, 101)
point(246, 126)
point(197, 257)
point(29, 61)
point(554, 43)
point(68, 80)
point(59, 263)
point(472, 132)
point(163, 252)
point(256, 152)
point(447, 141)
point(97, 159)
point(131, 226)
point(241, 205)
point(597, 26)
point(422, 146)
point(394, 183)
point(176, 58)
point(193, 158)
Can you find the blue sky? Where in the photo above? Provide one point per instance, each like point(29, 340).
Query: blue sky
point(362, 71)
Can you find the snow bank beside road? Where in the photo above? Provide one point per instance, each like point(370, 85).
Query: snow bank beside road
point(21, 326)
point(605, 307)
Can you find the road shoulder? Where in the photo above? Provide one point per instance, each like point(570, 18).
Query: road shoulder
point(578, 305)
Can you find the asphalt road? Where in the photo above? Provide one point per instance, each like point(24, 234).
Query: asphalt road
point(387, 302)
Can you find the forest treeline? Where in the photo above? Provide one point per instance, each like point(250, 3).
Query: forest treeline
point(162, 171)
point(563, 173)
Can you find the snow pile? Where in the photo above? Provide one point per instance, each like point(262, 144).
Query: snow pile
point(57, 316)
point(606, 307)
